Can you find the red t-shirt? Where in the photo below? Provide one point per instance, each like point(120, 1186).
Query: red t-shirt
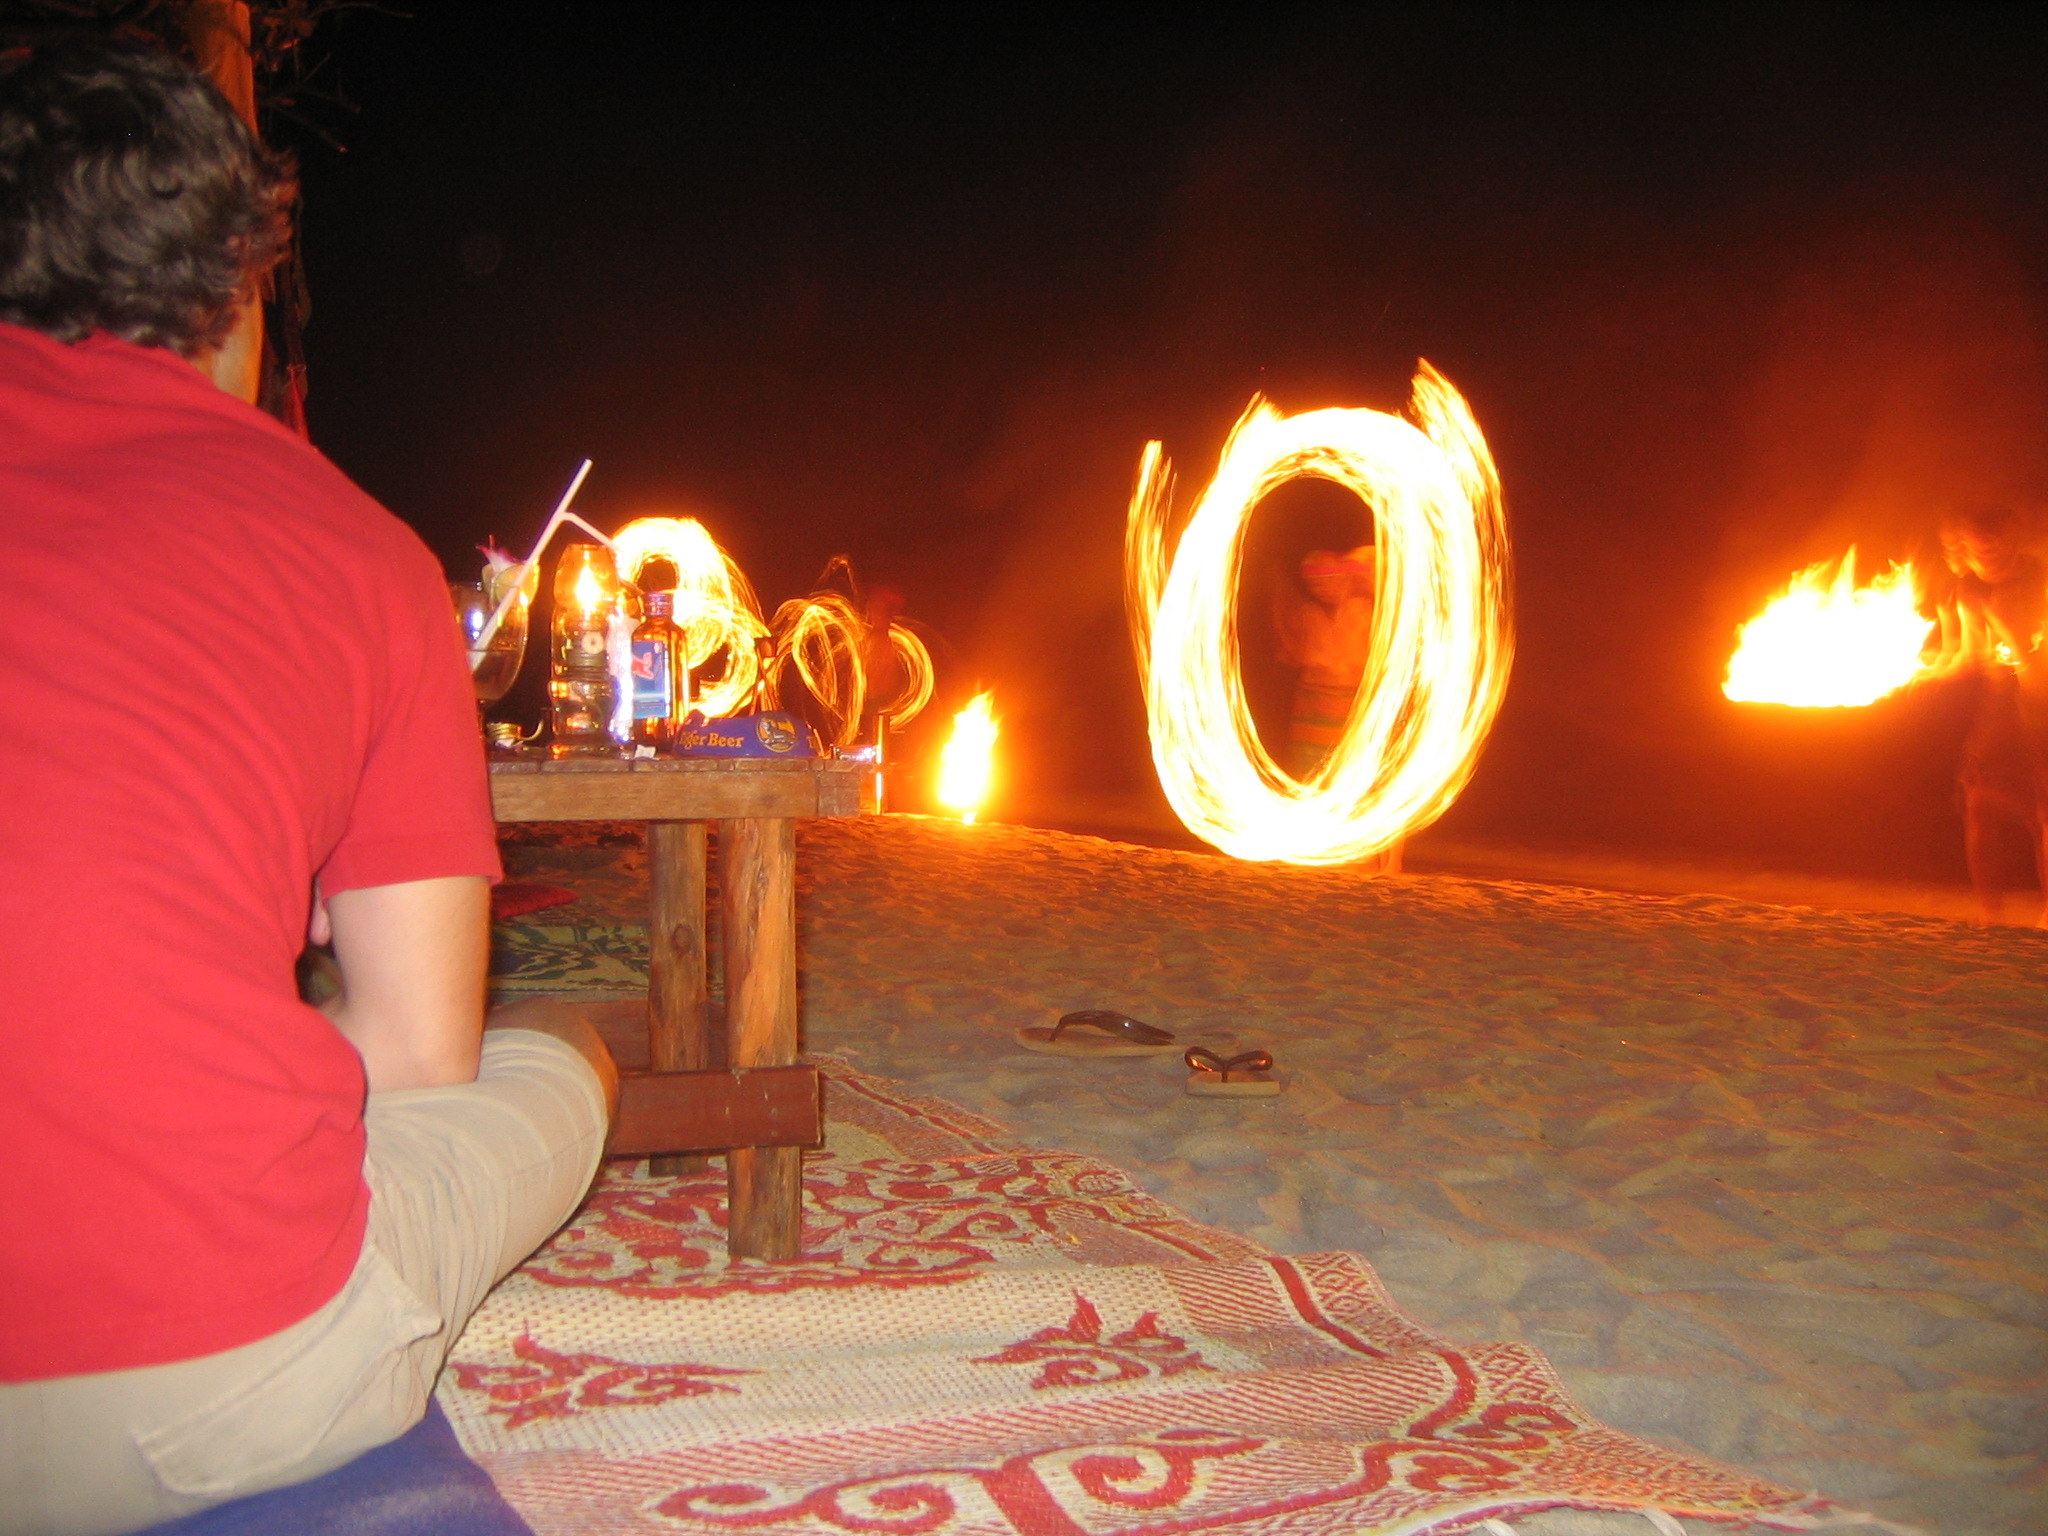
point(224, 670)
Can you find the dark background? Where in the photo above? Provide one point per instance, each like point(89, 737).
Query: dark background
point(1727, 289)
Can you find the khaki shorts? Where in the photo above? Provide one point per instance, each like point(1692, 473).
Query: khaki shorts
point(465, 1182)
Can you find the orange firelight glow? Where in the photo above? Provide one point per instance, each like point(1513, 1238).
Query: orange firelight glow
point(1826, 643)
point(715, 606)
point(967, 763)
point(1442, 637)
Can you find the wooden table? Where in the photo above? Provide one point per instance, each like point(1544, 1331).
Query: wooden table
point(700, 1086)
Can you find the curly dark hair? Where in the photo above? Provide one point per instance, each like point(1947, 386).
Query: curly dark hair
point(132, 199)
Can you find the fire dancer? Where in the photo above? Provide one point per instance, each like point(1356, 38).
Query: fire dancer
point(1991, 624)
point(230, 675)
point(1325, 633)
point(880, 664)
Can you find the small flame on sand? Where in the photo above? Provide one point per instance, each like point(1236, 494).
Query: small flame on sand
point(965, 765)
point(1442, 636)
point(1825, 642)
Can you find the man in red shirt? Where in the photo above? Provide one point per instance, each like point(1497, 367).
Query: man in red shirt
point(237, 1236)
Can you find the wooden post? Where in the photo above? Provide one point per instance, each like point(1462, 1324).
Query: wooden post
point(679, 1035)
point(757, 858)
point(219, 34)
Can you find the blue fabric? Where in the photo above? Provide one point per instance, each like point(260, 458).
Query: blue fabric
point(421, 1484)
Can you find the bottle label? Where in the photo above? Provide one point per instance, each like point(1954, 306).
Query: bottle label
point(651, 694)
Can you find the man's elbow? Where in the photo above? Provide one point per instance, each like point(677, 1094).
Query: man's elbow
point(449, 1066)
point(397, 1057)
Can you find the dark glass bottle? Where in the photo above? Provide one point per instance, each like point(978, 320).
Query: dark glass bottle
point(657, 671)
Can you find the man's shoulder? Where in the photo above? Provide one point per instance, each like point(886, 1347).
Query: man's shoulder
point(203, 489)
point(103, 419)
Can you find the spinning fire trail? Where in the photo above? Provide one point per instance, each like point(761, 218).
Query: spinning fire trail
point(1442, 636)
point(714, 606)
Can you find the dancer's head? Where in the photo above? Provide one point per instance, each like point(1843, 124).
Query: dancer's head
point(884, 607)
point(1982, 540)
point(133, 201)
point(1331, 577)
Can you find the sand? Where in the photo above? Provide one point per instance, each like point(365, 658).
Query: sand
point(1764, 1182)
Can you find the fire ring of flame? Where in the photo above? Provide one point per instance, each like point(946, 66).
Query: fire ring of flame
point(714, 605)
point(1442, 637)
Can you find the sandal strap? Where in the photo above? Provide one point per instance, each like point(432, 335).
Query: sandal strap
point(1110, 1022)
point(1202, 1059)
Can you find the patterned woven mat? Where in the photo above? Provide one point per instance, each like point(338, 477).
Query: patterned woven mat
point(985, 1341)
point(533, 957)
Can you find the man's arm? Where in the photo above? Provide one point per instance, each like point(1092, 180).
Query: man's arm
point(413, 958)
point(1960, 640)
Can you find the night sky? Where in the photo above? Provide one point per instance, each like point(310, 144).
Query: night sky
point(1727, 289)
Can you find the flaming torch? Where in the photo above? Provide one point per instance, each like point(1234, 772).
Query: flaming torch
point(1826, 643)
point(966, 763)
point(1441, 637)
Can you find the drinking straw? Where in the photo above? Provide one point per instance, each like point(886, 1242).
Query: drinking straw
point(562, 515)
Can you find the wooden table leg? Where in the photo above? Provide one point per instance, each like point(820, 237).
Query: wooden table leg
point(757, 872)
point(679, 1037)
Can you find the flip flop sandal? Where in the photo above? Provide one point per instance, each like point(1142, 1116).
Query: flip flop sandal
point(1247, 1075)
point(1120, 1035)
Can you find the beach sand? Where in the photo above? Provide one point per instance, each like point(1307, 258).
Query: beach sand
point(1765, 1183)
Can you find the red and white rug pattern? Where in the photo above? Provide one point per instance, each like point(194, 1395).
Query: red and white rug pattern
point(986, 1342)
